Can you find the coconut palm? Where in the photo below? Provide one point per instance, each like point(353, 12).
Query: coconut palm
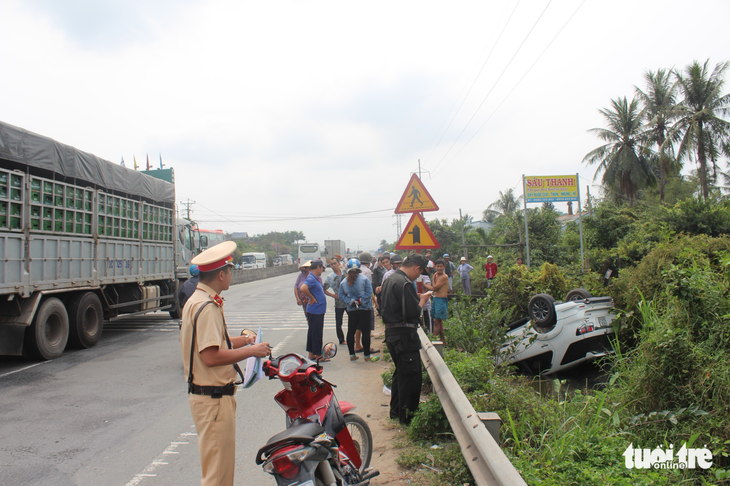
point(659, 102)
point(507, 204)
point(704, 133)
point(625, 169)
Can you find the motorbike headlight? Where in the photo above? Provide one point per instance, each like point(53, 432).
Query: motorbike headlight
point(289, 365)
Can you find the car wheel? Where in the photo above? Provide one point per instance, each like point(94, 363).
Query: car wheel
point(542, 312)
point(577, 294)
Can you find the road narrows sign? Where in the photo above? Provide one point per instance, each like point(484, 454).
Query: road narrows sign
point(417, 235)
point(415, 198)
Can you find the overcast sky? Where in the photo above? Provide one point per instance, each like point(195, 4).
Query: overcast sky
point(312, 116)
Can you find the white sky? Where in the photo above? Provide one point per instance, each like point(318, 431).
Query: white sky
point(284, 115)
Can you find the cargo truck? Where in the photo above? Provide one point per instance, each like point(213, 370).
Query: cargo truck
point(335, 247)
point(81, 240)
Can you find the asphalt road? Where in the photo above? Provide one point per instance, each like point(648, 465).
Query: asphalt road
point(118, 414)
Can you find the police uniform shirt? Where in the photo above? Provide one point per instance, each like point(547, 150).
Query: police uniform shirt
point(209, 332)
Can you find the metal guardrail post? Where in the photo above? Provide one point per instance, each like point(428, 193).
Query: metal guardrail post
point(486, 460)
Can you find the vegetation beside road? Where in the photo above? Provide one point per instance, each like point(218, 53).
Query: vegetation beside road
point(669, 382)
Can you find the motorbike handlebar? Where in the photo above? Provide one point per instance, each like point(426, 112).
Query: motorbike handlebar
point(315, 378)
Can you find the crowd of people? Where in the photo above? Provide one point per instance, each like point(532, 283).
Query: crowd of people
point(356, 285)
point(404, 292)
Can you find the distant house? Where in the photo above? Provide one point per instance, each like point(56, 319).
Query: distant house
point(241, 235)
point(569, 218)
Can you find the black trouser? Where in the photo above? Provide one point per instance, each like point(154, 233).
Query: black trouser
point(358, 320)
point(405, 393)
point(339, 314)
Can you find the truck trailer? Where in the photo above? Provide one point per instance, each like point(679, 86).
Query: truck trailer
point(81, 240)
point(335, 247)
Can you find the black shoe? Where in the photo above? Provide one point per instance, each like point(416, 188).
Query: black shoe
point(374, 351)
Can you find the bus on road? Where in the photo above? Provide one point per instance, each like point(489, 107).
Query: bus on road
point(212, 238)
point(309, 251)
point(253, 260)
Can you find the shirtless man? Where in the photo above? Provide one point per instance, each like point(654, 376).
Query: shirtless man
point(440, 308)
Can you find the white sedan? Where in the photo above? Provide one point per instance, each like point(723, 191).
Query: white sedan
point(559, 336)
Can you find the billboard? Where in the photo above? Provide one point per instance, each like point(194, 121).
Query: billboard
point(551, 188)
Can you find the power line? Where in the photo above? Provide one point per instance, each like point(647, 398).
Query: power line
point(473, 83)
point(494, 85)
point(294, 218)
point(515, 86)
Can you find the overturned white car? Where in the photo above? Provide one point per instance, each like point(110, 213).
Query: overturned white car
point(558, 336)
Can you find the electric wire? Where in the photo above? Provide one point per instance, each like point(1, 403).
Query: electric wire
point(294, 218)
point(515, 87)
point(493, 86)
point(473, 82)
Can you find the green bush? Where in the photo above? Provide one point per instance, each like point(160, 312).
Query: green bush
point(473, 326)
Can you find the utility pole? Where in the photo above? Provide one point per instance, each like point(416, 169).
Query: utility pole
point(187, 205)
point(463, 238)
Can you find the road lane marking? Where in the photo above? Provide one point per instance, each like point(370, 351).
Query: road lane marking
point(23, 369)
point(151, 470)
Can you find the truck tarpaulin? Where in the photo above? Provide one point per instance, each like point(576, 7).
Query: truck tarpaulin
point(45, 154)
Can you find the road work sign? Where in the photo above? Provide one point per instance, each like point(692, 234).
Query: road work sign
point(417, 235)
point(415, 198)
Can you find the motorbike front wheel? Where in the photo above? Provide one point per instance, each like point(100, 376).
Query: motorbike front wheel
point(362, 437)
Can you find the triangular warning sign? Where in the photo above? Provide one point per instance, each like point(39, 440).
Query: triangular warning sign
point(415, 198)
point(417, 235)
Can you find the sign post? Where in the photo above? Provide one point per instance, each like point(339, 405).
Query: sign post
point(416, 199)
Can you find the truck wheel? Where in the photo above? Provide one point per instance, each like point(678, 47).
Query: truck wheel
point(47, 335)
point(86, 320)
point(175, 310)
point(542, 311)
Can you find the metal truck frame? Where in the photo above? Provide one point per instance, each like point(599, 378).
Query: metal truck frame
point(81, 240)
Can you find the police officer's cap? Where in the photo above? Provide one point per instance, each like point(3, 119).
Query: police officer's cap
point(216, 257)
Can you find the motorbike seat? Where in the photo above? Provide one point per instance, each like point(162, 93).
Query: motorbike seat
point(301, 431)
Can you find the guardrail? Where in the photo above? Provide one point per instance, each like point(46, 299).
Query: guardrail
point(488, 464)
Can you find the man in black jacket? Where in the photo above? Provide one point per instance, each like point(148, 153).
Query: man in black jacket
point(401, 310)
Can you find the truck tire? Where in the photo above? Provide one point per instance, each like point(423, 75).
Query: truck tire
point(175, 310)
point(86, 320)
point(47, 335)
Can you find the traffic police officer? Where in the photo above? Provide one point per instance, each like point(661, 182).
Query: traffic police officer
point(209, 358)
point(401, 311)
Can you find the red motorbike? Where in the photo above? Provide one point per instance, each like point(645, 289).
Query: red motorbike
point(324, 444)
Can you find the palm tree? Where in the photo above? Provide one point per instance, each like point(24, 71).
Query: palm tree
point(506, 204)
point(659, 102)
point(700, 125)
point(625, 169)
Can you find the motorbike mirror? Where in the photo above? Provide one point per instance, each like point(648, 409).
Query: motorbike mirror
point(329, 350)
point(248, 332)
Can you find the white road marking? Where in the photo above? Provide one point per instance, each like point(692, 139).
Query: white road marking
point(150, 470)
point(23, 369)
